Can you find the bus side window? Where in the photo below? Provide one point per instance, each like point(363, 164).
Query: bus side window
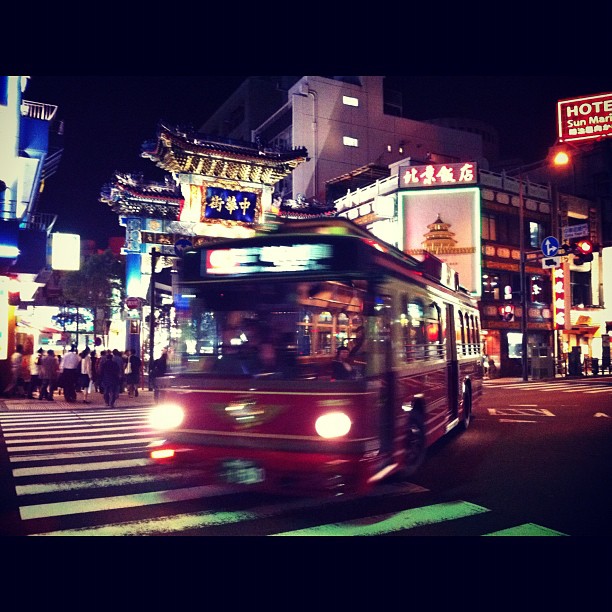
point(460, 332)
point(413, 325)
point(435, 331)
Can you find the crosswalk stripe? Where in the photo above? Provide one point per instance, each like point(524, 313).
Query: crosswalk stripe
point(62, 415)
point(388, 523)
point(72, 455)
point(97, 443)
point(116, 502)
point(96, 483)
point(80, 467)
point(88, 430)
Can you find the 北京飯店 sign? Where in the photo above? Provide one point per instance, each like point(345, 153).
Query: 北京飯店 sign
point(438, 175)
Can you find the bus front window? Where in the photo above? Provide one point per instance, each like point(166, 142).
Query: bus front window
point(282, 330)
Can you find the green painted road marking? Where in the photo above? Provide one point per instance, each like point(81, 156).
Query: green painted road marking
point(388, 523)
point(527, 529)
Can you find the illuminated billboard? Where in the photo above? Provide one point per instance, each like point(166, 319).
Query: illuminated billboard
point(65, 251)
point(584, 118)
point(446, 223)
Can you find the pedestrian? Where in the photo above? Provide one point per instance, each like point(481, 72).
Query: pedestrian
point(110, 377)
point(160, 367)
point(98, 363)
point(35, 362)
point(118, 358)
point(132, 373)
point(71, 368)
point(49, 374)
point(16, 382)
point(86, 381)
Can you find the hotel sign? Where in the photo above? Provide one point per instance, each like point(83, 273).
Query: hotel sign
point(584, 118)
point(438, 175)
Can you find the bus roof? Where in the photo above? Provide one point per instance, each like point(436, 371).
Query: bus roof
point(308, 240)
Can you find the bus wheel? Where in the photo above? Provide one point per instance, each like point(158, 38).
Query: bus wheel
point(467, 409)
point(415, 444)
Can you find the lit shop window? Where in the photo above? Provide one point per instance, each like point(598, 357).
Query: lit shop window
point(515, 345)
point(349, 141)
point(350, 101)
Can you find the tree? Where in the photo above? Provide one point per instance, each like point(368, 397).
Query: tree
point(97, 285)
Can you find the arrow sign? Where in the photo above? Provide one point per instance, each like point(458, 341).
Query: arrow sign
point(550, 246)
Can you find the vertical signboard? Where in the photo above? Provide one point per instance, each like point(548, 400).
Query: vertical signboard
point(558, 278)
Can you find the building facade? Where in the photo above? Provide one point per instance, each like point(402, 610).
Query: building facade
point(345, 123)
point(471, 218)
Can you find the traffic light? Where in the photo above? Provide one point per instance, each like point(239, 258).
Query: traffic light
point(506, 313)
point(583, 249)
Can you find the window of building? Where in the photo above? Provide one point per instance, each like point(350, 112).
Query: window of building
point(501, 285)
point(508, 229)
point(349, 141)
point(540, 289)
point(515, 345)
point(581, 288)
point(488, 227)
point(537, 233)
point(350, 101)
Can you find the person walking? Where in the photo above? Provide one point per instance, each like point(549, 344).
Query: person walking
point(86, 379)
point(71, 368)
point(16, 372)
point(96, 363)
point(160, 367)
point(132, 373)
point(49, 374)
point(110, 377)
point(35, 362)
point(118, 358)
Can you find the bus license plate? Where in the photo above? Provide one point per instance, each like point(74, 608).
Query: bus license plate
point(238, 471)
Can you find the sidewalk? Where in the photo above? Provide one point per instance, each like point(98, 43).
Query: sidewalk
point(145, 398)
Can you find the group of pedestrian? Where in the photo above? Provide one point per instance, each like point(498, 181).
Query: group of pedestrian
point(111, 373)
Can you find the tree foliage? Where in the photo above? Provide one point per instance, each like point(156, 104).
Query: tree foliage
point(97, 285)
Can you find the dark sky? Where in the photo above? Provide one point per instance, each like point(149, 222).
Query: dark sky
point(107, 118)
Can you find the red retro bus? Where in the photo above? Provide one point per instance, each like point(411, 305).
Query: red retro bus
point(315, 359)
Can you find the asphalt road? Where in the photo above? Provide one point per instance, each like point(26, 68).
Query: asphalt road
point(537, 460)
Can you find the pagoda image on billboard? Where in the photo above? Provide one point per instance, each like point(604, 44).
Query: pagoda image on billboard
point(440, 241)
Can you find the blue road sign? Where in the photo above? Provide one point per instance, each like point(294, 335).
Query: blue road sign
point(550, 246)
point(181, 244)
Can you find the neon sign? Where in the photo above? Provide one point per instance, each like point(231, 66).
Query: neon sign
point(559, 293)
point(436, 175)
point(257, 259)
point(584, 118)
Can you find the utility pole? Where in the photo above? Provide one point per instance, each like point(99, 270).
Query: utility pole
point(154, 256)
point(523, 282)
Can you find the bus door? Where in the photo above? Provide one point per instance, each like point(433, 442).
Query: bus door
point(452, 365)
point(383, 368)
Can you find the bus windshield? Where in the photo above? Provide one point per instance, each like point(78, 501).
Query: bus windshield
point(288, 330)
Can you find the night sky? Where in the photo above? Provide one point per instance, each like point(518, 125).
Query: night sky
point(107, 118)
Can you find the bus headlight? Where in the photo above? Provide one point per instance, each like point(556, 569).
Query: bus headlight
point(333, 425)
point(166, 416)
